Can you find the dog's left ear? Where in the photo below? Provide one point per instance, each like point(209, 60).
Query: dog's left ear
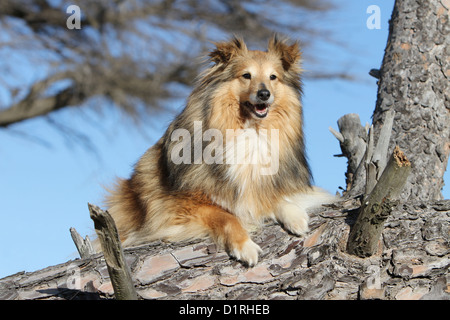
point(226, 50)
point(290, 55)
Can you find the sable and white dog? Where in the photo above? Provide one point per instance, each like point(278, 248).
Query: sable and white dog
point(232, 158)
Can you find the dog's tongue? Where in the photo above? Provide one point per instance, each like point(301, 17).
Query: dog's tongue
point(261, 107)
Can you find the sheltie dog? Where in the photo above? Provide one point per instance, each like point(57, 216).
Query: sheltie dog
point(234, 157)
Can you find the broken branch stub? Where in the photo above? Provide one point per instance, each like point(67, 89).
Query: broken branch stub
point(118, 269)
point(84, 246)
point(352, 139)
point(366, 232)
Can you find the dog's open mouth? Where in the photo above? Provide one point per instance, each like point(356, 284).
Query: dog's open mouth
point(260, 110)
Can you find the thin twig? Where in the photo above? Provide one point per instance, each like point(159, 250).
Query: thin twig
point(84, 246)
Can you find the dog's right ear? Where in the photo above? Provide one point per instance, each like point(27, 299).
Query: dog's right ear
point(226, 50)
point(289, 55)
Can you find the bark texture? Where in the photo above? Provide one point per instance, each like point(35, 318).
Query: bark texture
point(415, 83)
point(412, 263)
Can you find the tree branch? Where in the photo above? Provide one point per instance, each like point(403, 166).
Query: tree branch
point(314, 267)
point(352, 139)
point(34, 104)
point(84, 246)
point(365, 234)
point(118, 269)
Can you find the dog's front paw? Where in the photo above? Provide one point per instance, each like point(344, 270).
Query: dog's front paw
point(247, 253)
point(294, 219)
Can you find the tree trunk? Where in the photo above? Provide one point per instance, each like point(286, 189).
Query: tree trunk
point(412, 262)
point(415, 82)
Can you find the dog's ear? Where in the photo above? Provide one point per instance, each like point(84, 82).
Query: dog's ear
point(289, 55)
point(226, 50)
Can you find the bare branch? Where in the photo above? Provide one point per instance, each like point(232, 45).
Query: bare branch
point(118, 269)
point(84, 246)
point(123, 53)
point(30, 108)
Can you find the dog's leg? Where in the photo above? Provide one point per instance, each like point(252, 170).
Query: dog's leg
point(292, 211)
point(293, 218)
point(226, 230)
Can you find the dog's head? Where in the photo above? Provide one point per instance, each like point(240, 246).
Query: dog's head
point(259, 79)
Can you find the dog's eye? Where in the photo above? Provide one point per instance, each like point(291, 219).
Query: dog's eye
point(247, 75)
point(273, 77)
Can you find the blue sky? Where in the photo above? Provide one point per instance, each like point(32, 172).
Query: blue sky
point(44, 190)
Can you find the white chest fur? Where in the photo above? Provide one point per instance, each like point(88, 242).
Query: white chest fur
point(251, 154)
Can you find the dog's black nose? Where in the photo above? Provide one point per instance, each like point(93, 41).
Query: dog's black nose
point(263, 94)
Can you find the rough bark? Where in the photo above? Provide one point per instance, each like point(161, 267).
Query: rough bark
point(414, 81)
point(413, 85)
point(411, 263)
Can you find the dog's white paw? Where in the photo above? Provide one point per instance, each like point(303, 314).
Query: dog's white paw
point(247, 253)
point(293, 218)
